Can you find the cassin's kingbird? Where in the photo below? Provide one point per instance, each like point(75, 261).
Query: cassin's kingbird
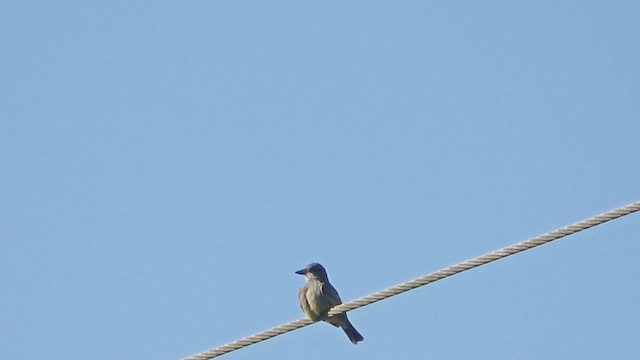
point(318, 296)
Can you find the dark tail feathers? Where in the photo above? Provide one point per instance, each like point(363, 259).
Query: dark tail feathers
point(352, 333)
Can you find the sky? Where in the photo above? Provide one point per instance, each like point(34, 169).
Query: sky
point(165, 167)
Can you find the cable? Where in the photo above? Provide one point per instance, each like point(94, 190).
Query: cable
point(424, 280)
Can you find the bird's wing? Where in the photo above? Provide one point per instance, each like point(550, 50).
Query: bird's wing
point(331, 295)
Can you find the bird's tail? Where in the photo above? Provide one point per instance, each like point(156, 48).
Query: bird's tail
point(352, 333)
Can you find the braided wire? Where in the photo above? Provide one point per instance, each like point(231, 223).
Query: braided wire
point(424, 280)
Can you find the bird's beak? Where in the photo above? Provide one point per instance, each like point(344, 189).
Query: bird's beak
point(301, 272)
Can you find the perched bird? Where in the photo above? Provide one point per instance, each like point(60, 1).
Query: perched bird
point(318, 296)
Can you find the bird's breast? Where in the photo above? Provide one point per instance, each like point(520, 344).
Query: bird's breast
point(315, 300)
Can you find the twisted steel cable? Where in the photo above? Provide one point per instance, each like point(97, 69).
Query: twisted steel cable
point(424, 280)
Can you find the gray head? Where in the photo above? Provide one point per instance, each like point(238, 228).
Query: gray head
point(314, 270)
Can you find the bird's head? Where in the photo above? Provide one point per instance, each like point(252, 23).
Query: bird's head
point(313, 270)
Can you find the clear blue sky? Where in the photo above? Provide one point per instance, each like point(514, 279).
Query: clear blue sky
point(167, 166)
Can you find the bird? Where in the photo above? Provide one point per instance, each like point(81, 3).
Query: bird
point(317, 296)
